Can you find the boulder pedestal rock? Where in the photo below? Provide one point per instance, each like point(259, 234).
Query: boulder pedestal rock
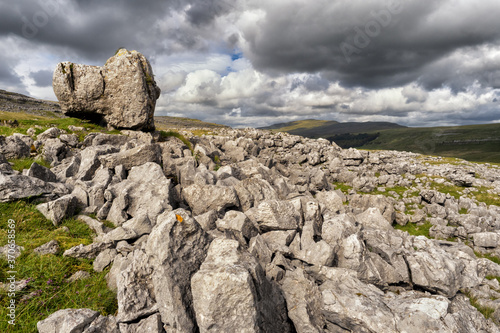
point(122, 93)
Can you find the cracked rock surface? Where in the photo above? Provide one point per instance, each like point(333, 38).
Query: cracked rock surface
point(258, 232)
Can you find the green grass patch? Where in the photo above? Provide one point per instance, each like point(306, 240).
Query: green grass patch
point(463, 211)
point(20, 164)
point(300, 124)
point(217, 162)
point(453, 190)
point(27, 120)
point(47, 290)
point(167, 134)
point(492, 277)
point(473, 142)
point(438, 160)
point(343, 187)
point(414, 229)
point(491, 257)
point(485, 311)
point(488, 198)
point(200, 132)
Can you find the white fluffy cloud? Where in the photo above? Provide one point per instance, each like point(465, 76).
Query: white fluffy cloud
point(255, 62)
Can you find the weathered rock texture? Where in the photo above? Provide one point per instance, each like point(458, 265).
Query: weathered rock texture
point(122, 93)
point(258, 232)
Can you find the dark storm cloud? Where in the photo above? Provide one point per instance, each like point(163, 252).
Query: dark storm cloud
point(311, 83)
point(204, 12)
point(42, 78)
point(94, 29)
point(8, 77)
point(370, 43)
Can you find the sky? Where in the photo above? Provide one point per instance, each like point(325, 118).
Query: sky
point(259, 62)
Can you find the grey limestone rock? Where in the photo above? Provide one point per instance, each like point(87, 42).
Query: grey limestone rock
point(51, 247)
point(361, 203)
point(145, 192)
point(203, 198)
point(141, 225)
point(136, 296)
point(252, 191)
point(16, 186)
point(89, 162)
point(239, 223)
point(132, 157)
point(104, 259)
point(54, 150)
point(231, 293)
point(13, 147)
point(123, 92)
point(67, 321)
point(38, 171)
point(178, 247)
point(277, 215)
point(94, 224)
point(58, 209)
point(7, 251)
point(304, 302)
point(151, 324)
point(50, 133)
point(372, 218)
point(207, 220)
point(89, 251)
point(354, 305)
point(103, 324)
point(486, 239)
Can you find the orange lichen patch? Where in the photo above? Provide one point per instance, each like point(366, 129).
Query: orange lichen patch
point(179, 218)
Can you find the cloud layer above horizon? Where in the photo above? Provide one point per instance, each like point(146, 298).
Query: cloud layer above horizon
point(255, 62)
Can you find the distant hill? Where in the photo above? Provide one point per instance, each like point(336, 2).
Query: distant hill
point(299, 125)
point(480, 143)
point(14, 102)
point(167, 122)
point(312, 128)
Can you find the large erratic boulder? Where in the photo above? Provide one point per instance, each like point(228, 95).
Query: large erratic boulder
point(122, 93)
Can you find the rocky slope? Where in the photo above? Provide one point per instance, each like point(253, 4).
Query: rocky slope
point(250, 231)
point(15, 102)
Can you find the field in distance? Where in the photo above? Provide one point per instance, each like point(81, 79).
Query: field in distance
point(479, 143)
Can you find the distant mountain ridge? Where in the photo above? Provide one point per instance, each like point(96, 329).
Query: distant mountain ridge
point(15, 102)
point(471, 142)
point(313, 128)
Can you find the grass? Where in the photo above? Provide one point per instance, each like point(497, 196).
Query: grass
point(485, 311)
point(217, 162)
point(442, 160)
point(488, 198)
point(200, 132)
point(453, 190)
point(47, 290)
point(492, 277)
point(414, 229)
point(300, 124)
point(166, 134)
point(343, 187)
point(473, 142)
point(20, 164)
point(27, 120)
point(491, 257)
